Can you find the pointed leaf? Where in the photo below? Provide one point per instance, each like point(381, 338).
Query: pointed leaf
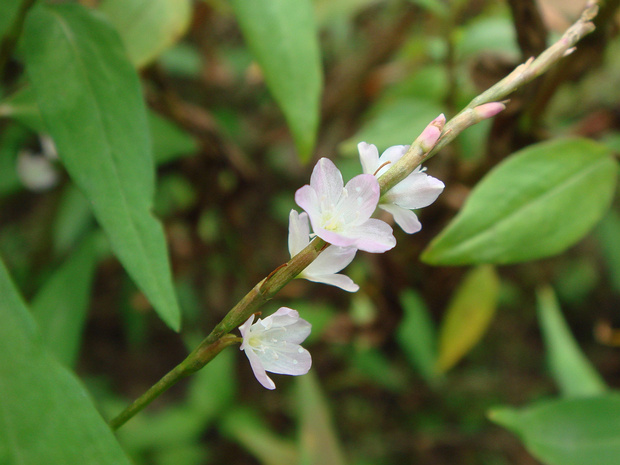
point(575, 431)
point(468, 316)
point(60, 305)
point(147, 27)
point(46, 416)
point(536, 203)
point(319, 442)
point(571, 369)
point(90, 99)
point(283, 38)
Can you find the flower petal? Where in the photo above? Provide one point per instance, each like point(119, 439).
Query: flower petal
point(333, 237)
point(373, 236)
point(298, 232)
point(307, 198)
point(287, 359)
point(391, 156)
point(332, 260)
point(417, 190)
point(244, 329)
point(327, 181)
point(369, 157)
point(286, 325)
point(338, 280)
point(259, 369)
point(404, 218)
point(360, 199)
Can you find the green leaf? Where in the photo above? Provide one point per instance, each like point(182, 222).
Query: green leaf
point(73, 219)
point(398, 122)
point(244, 426)
point(417, 335)
point(319, 442)
point(537, 203)
point(468, 315)
point(90, 99)
point(60, 305)
point(148, 27)
point(46, 415)
point(283, 38)
point(575, 431)
point(571, 369)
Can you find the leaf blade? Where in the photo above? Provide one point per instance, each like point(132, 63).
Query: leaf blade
point(90, 98)
point(521, 210)
point(283, 38)
point(45, 414)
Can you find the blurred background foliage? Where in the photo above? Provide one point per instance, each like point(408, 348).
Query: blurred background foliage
point(406, 369)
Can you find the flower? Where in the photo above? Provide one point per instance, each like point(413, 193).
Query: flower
point(341, 215)
point(415, 191)
point(325, 268)
point(272, 345)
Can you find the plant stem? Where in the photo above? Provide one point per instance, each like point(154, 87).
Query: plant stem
point(268, 287)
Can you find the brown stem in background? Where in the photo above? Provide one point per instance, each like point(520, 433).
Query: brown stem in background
point(529, 26)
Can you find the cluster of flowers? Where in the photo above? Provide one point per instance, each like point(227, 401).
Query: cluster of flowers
point(341, 216)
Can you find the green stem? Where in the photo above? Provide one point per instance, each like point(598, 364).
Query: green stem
point(12, 36)
point(268, 287)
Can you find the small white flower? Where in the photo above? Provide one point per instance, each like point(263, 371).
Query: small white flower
point(341, 214)
point(324, 269)
point(272, 345)
point(417, 190)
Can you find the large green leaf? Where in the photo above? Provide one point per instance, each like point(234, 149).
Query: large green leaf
point(148, 27)
point(537, 203)
point(283, 38)
point(575, 431)
point(468, 316)
point(571, 369)
point(90, 99)
point(46, 416)
point(60, 305)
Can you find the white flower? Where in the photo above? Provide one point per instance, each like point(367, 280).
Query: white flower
point(415, 191)
point(341, 215)
point(325, 268)
point(272, 345)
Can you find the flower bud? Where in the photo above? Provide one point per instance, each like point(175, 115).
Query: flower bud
point(488, 110)
point(431, 133)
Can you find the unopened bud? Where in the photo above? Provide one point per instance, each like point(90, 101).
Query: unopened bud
point(488, 110)
point(431, 133)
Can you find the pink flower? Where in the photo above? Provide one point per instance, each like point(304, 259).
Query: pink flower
point(415, 191)
point(324, 269)
point(272, 345)
point(341, 214)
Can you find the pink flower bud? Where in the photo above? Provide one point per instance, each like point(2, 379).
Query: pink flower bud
point(431, 133)
point(488, 110)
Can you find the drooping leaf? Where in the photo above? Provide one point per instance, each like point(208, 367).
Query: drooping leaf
point(571, 369)
point(148, 27)
point(574, 431)
point(283, 38)
point(90, 99)
point(417, 335)
point(318, 440)
point(60, 305)
point(537, 203)
point(46, 415)
point(245, 427)
point(468, 316)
